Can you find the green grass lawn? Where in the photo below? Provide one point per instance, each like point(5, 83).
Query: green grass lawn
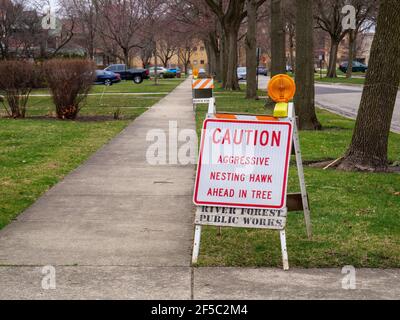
point(358, 78)
point(355, 216)
point(340, 80)
point(147, 86)
point(35, 153)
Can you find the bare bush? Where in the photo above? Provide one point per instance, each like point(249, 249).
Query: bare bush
point(17, 78)
point(69, 81)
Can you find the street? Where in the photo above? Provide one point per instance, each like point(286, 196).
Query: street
point(341, 99)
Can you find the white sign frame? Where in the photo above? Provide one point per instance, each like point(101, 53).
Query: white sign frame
point(296, 143)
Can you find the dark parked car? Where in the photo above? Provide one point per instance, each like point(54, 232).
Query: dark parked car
point(107, 77)
point(137, 75)
point(262, 70)
point(357, 67)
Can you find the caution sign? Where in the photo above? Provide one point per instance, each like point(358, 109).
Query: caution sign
point(243, 164)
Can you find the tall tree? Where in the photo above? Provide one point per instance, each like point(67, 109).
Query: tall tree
point(365, 10)
point(120, 25)
point(184, 55)
point(211, 41)
point(329, 19)
point(305, 93)
point(368, 148)
point(278, 53)
point(200, 24)
point(86, 17)
point(11, 25)
point(230, 17)
point(167, 46)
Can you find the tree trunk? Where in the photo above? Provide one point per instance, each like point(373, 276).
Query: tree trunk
point(291, 52)
point(352, 44)
point(305, 92)
point(126, 57)
point(231, 82)
point(251, 47)
point(368, 148)
point(210, 57)
point(215, 53)
point(278, 54)
point(211, 46)
point(223, 57)
point(91, 51)
point(332, 59)
point(155, 65)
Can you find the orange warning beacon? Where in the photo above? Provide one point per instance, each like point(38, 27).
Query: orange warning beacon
point(281, 89)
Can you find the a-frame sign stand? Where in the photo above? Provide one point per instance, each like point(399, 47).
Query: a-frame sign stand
point(304, 198)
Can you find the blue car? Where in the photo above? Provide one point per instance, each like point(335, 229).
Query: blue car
point(107, 77)
point(176, 71)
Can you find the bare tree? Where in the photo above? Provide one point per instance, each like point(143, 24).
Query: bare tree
point(167, 46)
point(230, 17)
point(11, 23)
point(199, 24)
point(52, 41)
point(84, 12)
point(368, 148)
point(120, 25)
point(146, 52)
point(365, 11)
point(153, 10)
point(329, 18)
point(185, 53)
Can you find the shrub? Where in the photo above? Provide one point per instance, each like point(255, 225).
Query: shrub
point(168, 75)
point(69, 81)
point(17, 78)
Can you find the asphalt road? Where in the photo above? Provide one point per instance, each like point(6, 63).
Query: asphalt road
point(342, 99)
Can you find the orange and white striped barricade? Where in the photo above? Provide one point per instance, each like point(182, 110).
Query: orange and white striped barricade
point(202, 91)
point(249, 194)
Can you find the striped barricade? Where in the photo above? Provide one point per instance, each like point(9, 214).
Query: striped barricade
point(203, 91)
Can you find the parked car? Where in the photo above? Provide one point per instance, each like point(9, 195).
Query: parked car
point(106, 77)
point(176, 71)
point(160, 71)
point(262, 70)
point(357, 67)
point(137, 75)
point(241, 73)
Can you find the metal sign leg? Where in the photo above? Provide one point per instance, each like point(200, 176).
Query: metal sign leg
point(211, 108)
point(300, 173)
point(285, 259)
point(196, 244)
